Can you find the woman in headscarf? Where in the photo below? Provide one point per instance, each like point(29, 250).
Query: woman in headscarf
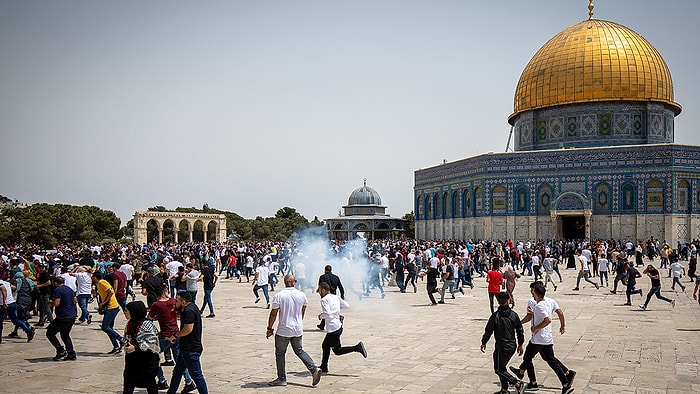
point(142, 350)
point(23, 298)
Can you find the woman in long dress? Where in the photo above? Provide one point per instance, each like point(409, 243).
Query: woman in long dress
point(142, 350)
point(510, 276)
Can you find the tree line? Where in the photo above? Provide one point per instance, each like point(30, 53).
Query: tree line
point(49, 225)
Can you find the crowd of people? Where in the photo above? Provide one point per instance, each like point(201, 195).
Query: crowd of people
point(56, 287)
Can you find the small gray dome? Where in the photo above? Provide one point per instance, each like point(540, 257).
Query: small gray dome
point(364, 196)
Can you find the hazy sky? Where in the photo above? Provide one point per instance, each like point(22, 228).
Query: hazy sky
point(250, 106)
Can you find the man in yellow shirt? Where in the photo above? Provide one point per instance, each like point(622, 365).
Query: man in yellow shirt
point(108, 303)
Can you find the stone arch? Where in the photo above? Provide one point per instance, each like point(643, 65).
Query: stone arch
point(478, 201)
point(141, 219)
point(444, 206)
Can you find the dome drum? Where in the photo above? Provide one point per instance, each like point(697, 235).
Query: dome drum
point(594, 124)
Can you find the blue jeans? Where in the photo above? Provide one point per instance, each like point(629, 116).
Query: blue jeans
point(173, 289)
point(165, 344)
point(108, 326)
point(207, 302)
point(194, 296)
point(264, 289)
point(656, 290)
point(83, 303)
point(188, 361)
point(12, 312)
point(281, 344)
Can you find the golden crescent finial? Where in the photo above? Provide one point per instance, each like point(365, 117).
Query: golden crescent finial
point(590, 9)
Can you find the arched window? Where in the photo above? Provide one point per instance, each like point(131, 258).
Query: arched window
point(498, 200)
point(428, 207)
point(419, 208)
point(445, 206)
point(436, 206)
point(478, 202)
point(521, 201)
point(628, 196)
point(655, 196)
point(683, 196)
point(544, 200)
point(602, 198)
point(455, 204)
point(466, 204)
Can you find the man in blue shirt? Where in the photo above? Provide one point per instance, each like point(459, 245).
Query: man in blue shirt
point(64, 305)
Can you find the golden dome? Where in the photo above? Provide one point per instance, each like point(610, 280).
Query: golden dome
point(594, 60)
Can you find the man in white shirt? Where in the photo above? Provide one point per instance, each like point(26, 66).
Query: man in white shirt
point(584, 271)
point(290, 305)
point(677, 271)
point(330, 313)
point(83, 284)
point(128, 270)
point(540, 309)
point(172, 266)
point(260, 281)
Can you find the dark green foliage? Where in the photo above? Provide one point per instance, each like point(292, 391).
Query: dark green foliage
point(410, 229)
point(49, 225)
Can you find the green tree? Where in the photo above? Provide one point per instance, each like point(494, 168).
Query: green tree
point(410, 225)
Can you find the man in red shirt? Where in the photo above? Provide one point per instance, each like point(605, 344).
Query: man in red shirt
point(495, 280)
point(119, 284)
point(163, 310)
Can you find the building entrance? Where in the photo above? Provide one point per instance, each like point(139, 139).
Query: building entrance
point(573, 227)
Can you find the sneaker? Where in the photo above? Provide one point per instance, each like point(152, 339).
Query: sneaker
point(167, 364)
point(516, 372)
point(189, 387)
point(673, 303)
point(257, 300)
point(316, 376)
point(361, 349)
point(162, 385)
point(89, 319)
point(277, 382)
point(642, 306)
point(627, 304)
point(521, 389)
point(532, 387)
point(59, 356)
point(115, 350)
point(268, 306)
point(567, 390)
point(70, 357)
point(209, 316)
point(319, 326)
point(555, 288)
point(30, 334)
point(441, 302)
point(575, 289)
point(613, 292)
point(571, 375)
point(461, 291)
point(13, 334)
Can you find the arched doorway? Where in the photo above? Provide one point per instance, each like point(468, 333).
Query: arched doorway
point(571, 217)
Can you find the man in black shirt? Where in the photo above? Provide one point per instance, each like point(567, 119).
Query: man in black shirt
point(190, 335)
point(432, 274)
point(209, 277)
point(152, 285)
point(504, 324)
point(44, 283)
point(632, 275)
point(653, 274)
point(334, 283)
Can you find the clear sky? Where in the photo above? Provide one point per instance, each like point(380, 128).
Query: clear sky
point(250, 106)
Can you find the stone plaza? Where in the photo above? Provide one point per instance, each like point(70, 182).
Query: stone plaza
point(412, 347)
